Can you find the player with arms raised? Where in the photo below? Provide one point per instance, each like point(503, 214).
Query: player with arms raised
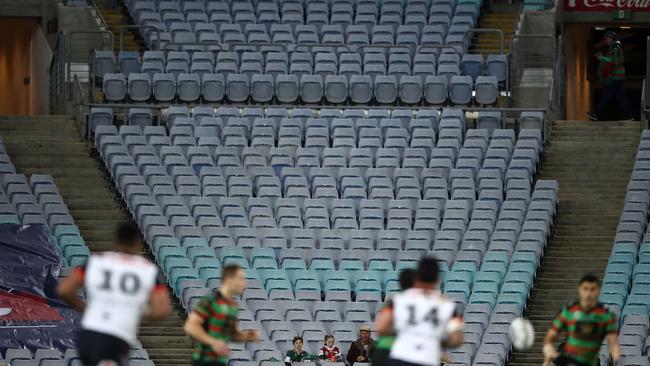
point(423, 319)
point(586, 324)
point(121, 287)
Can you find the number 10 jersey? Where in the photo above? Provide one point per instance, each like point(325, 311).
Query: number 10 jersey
point(118, 287)
point(421, 320)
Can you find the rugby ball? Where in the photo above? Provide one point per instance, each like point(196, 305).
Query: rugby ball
point(522, 334)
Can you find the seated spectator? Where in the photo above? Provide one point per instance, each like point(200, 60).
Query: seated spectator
point(297, 354)
point(329, 351)
point(361, 349)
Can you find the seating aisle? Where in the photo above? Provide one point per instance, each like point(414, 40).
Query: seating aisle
point(52, 145)
point(592, 161)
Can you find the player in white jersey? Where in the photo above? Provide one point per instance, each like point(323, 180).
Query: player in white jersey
point(424, 321)
point(121, 287)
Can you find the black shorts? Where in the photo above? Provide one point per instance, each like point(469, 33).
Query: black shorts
point(563, 360)
point(380, 357)
point(394, 362)
point(95, 347)
point(207, 363)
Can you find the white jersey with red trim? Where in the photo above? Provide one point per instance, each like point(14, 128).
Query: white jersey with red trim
point(422, 319)
point(118, 287)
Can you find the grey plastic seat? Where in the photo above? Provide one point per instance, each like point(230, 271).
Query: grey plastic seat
point(497, 65)
point(336, 88)
point(100, 116)
point(410, 89)
point(188, 87)
point(435, 89)
point(472, 65)
point(385, 89)
point(287, 88)
point(489, 120)
point(139, 86)
point(213, 87)
point(361, 89)
point(262, 88)
point(487, 89)
point(114, 87)
point(237, 87)
point(164, 87)
point(532, 120)
point(311, 88)
point(140, 117)
point(460, 90)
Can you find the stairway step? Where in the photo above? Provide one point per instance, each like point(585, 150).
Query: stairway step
point(592, 163)
point(52, 145)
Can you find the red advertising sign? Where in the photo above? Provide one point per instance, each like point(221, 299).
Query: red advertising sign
point(607, 5)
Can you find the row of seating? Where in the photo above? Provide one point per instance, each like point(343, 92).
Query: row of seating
point(301, 63)
point(199, 34)
point(70, 357)
point(270, 8)
point(312, 89)
point(626, 284)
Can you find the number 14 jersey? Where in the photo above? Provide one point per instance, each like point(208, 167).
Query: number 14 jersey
point(421, 320)
point(118, 287)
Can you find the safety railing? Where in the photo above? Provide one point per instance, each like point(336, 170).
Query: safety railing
point(153, 29)
point(100, 16)
point(57, 73)
point(79, 106)
point(496, 31)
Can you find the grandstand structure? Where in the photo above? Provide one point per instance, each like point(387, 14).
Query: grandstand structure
point(324, 146)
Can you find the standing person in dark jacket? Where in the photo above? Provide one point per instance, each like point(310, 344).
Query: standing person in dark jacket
point(361, 349)
point(611, 72)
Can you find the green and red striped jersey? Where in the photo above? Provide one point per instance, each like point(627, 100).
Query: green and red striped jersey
point(220, 315)
point(585, 331)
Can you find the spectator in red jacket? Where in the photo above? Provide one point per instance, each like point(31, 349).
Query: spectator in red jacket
point(329, 351)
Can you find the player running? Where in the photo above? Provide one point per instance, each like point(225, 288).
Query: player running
point(586, 323)
point(381, 351)
point(424, 320)
point(213, 323)
point(119, 285)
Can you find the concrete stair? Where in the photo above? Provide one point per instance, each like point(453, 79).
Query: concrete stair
point(592, 162)
point(52, 145)
point(489, 43)
point(116, 17)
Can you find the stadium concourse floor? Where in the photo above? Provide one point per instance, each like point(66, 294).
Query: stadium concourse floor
point(52, 145)
point(592, 162)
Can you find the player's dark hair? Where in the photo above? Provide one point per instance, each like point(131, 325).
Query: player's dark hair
point(591, 278)
point(297, 338)
point(428, 270)
point(328, 336)
point(127, 234)
point(406, 278)
point(229, 271)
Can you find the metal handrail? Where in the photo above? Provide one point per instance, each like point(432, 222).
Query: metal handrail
point(125, 27)
point(315, 106)
point(499, 32)
point(99, 14)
